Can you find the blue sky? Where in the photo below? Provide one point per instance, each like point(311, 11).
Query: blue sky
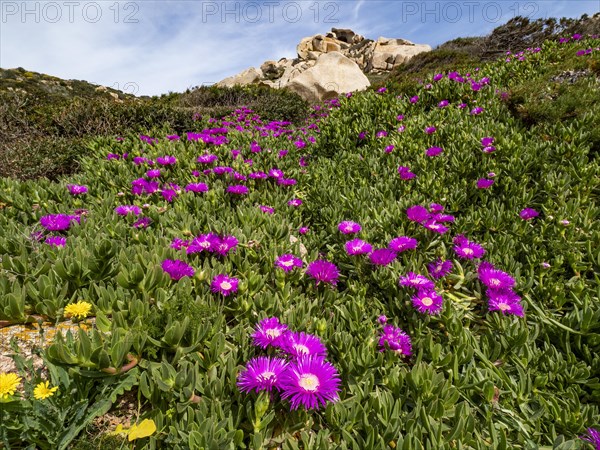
point(153, 47)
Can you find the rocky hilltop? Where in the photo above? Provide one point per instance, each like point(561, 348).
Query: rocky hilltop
point(330, 64)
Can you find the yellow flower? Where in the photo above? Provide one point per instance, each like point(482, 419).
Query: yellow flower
point(43, 390)
point(78, 310)
point(141, 430)
point(8, 384)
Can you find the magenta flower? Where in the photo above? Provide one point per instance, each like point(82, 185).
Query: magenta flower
point(299, 345)
point(396, 340)
point(267, 209)
point(56, 222)
point(310, 382)
point(224, 245)
point(238, 189)
point(476, 111)
point(288, 262)
point(207, 158)
point(203, 242)
point(484, 183)
point(56, 241)
point(405, 173)
point(144, 222)
point(166, 160)
point(357, 247)
point(528, 213)
point(169, 194)
point(434, 225)
point(427, 301)
point(224, 284)
point(430, 130)
point(286, 181)
point(124, 210)
point(443, 104)
point(295, 202)
point(382, 319)
point(505, 301)
point(303, 230)
point(443, 218)
point(414, 99)
point(178, 243)
point(76, 189)
point(382, 256)
point(269, 331)
point(276, 173)
point(494, 278)
point(436, 208)
point(433, 151)
point(323, 271)
point(177, 269)
point(349, 227)
point(196, 187)
point(439, 269)
point(467, 249)
point(262, 374)
point(487, 141)
point(153, 173)
point(593, 437)
point(389, 149)
point(417, 213)
point(417, 281)
point(403, 243)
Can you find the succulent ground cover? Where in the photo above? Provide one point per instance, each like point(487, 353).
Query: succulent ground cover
point(407, 270)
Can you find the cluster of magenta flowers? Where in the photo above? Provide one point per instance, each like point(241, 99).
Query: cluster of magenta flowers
point(426, 300)
point(394, 339)
point(432, 219)
point(467, 249)
point(57, 223)
point(501, 296)
point(299, 371)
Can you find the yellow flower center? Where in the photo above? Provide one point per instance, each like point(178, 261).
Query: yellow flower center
point(427, 301)
point(467, 251)
point(288, 263)
point(267, 375)
point(309, 382)
point(273, 333)
point(495, 282)
point(226, 285)
point(43, 390)
point(302, 349)
point(503, 307)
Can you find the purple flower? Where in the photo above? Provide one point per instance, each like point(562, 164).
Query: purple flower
point(269, 331)
point(303, 230)
point(203, 242)
point(144, 222)
point(56, 222)
point(467, 249)
point(76, 189)
point(381, 90)
point(310, 382)
point(237, 189)
point(56, 241)
point(282, 153)
point(403, 243)
point(414, 99)
point(484, 183)
point(301, 344)
point(257, 175)
point(416, 281)
point(196, 187)
point(427, 301)
point(434, 225)
point(153, 173)
point(494, 278)
point(178, 243)
point(389, 149)
point(262, 374)
point(487, 141)
point(433, 151)
point(224, 245)
point(142, 186)
point(124, 210)
point(349, 227)
point(166, 160)
point(294, 202)
point(439, 269)
point(504, 300)
point(593, 437)
point(276, 173)
point(323, 271)
point(382, 319)
point(476, 111)
point(358, 247)
point(396, 340)
point(169, 194)
point(286, 181)
point(382, 256)
point(443, 218)
point(436, 208)
point(443, 104)
point(417, 213)
point(177, 269)
point(288, 262)
point(405, 173)
point(430, 130)
point(207, 158)
point(528, 213)
point(267, 209)
point(224, 284)
point(438, 76)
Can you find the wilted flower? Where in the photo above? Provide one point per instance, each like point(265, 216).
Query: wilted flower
point(439, 268)
point(323, 271)
point(303, 230)
point(528, 213)
point(382, 320)
point(262, 374)
point(396, 340)
point(310, 382)
point(177, 269)
point(224, 284)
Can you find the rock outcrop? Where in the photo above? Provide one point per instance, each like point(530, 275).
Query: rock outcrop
point(365, 55)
